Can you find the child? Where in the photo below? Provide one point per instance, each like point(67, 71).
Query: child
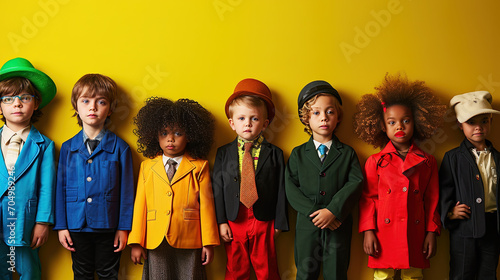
point(323, 183)
point(174, 215)
point(398, 207)
point(95, 189)
point(469, 191)
point(250, 170)
point(27, 166)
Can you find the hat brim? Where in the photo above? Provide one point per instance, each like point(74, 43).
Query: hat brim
point(41, 81)
point(269, 103)
point(463, 118)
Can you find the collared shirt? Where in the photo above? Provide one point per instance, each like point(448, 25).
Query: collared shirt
point(487, 168)
point(98, 138)
point(176, 159)
point(7, 134)
point(255, 151)
point(327, 144)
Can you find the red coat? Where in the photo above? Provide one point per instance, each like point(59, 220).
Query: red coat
point(399, 202)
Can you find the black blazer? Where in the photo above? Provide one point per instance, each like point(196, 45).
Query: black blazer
point(460, 180)
point(269, 178)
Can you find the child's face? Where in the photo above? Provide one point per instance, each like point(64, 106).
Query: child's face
point(248, 121)
point(323, 118)
point(93, 111)
point(172, 141)
point(18, 113)
point(399, 125)
point(476, 129)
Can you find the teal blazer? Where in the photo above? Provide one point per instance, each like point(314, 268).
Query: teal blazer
point(28, 193)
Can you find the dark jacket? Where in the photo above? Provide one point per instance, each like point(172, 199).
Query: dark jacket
point(460, 180)
point(269, 179)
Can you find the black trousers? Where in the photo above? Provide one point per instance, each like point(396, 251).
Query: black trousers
point(475, 258)
point(94, 253)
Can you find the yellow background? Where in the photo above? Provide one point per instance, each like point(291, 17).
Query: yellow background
point(201, 49)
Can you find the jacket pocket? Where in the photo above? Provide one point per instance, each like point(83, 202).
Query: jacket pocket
point(71, 196)
point(191, 214)
point(151, 215)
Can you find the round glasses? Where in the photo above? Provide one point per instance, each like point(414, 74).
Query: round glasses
point(25, 98)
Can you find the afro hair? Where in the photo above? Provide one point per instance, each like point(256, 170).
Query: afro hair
point(188, 115)
point(427, 111)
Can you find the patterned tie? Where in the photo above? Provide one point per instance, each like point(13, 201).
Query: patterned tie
point(322, 151)
point(248, 190)
point(12, 151)
point(171, 169)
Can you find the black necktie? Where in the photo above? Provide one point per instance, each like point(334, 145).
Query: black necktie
point(92, 144)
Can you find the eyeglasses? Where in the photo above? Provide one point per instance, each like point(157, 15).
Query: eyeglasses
point(25, 98)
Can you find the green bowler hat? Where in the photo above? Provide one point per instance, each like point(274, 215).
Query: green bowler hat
point(21, 67)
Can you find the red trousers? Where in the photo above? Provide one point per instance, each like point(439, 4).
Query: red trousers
point(253, 244)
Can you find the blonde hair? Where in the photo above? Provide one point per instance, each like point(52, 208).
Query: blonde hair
point(250, 101)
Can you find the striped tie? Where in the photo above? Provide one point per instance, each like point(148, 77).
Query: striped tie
point(12, 151)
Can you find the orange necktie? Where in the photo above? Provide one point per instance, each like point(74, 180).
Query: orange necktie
point(248, 190)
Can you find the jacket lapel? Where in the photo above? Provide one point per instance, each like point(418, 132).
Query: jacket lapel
point(185, 168)
point(29, 152)
point(159, 171)
point(312, 154)
point(265, 151)
point(333, 153)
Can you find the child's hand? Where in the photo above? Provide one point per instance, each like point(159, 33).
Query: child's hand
point(225, 232)
point(39, 235)
point(276, 233)
point(137, 253)
point(370, 243)
point(65, 239)
point(120, 242)
point(207, 255)
point(322, 218)
point(335, 224)
point(460, 212)
point(430, 245)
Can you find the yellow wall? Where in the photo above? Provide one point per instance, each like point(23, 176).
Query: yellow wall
point(201, 49)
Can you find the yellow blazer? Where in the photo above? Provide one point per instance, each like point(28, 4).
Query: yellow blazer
point(182, 211)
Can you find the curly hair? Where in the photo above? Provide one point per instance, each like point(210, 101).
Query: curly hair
point(188, 115)
point(305, 111)
point(427, 111)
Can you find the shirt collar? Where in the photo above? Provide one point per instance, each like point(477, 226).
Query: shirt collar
point(327, 144)
point(176, 159)
point(256, 143)
point(7, 133)
point(98, 137)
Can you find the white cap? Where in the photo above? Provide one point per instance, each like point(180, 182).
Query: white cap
point(471, 104)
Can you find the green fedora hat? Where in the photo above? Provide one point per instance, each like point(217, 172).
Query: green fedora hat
point(21, 67)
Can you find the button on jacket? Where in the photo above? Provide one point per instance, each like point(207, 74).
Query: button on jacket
point(95, 192)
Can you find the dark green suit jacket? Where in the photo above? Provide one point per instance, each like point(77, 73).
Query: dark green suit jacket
point(336, 184)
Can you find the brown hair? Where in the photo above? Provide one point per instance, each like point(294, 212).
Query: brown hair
point(304, 112)
point(368, 121)
point(250, 101)
point(92, 85)
point(19, 85)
